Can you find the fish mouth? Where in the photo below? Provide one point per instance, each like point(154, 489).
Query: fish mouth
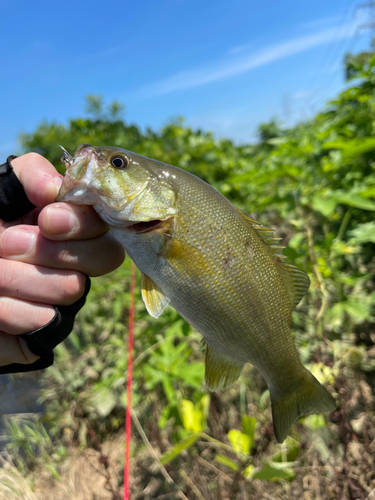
point(86, 150)
point(146, 226)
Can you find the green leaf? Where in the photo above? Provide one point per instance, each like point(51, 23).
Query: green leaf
point(169, 412)
point(74, 341)
point(364, 233)
point(241, 442)
point(326, 203)
point(264, 399)
point(358, 309)
point(352, 148)
point(275, 471)
point(368, 192)
point(313, 422)
point(169, 389)
point(192, 373)
point(248, 425)
point(104, 401)
point(118, 308)
point(194, 416)
point(325, 206)
point(222, 459)
point(355, 200)
point(292, 450)
point(178, 448)
point(52, 470)
point(296, 240)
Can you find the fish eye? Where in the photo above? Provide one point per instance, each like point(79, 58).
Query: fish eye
point(120, 161)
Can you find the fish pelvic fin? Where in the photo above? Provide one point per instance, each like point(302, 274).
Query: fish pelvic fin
point(153, 297)
point(221, 372)
point(310, 397)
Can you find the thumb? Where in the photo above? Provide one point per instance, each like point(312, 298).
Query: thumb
point(39, 178)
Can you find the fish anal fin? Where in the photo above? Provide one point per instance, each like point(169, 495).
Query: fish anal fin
point(221, 372)
point(309, 397)
point(155, 301)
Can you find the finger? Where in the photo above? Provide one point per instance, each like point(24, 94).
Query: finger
point(40, 284)
point(93, 257)
point(15, 350)
point(22, 316)
point(39, 178)
point(61, 221)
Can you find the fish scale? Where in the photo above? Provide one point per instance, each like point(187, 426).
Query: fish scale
point(220, 269)
point(245, 267)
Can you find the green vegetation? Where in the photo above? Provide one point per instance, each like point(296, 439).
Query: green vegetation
point(314, 183)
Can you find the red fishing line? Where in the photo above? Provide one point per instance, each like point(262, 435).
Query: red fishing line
point(129, 385)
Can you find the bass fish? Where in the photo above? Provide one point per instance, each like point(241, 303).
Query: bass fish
point(220, 269)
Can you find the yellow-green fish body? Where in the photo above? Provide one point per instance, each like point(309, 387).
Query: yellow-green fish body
point(221, 270)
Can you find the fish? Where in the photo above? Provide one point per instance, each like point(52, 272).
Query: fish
point(221, 270)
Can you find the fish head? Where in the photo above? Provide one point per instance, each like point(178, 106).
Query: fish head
point(124, 188)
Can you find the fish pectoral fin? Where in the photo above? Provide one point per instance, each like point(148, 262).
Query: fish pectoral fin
point(155, 301)
point(221, 372)
point(176, 249)
point(182, 256)
point(309, 397)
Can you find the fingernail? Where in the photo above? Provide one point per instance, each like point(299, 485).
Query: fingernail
point(61, 220)
point(18, 241)
point(58, 181)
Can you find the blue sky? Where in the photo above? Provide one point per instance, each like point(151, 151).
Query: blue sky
point(225, 66)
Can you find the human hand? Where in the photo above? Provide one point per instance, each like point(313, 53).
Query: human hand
point(44, 257)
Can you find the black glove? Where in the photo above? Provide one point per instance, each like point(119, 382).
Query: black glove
point(13, 204)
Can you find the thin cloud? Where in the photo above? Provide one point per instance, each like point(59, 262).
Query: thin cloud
point(303, 94)
point(322, 22)
point(318, 24)
point(229, 68)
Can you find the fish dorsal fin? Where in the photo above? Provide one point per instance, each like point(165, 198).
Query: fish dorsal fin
point(152, 296)
point(221, 372)
point(266, 234)
point(296, 281)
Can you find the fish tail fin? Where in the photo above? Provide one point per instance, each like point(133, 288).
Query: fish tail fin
point(309, 397)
